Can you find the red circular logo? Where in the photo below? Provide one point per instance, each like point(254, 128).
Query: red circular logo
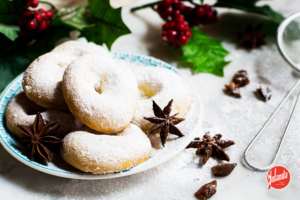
point(278, 177)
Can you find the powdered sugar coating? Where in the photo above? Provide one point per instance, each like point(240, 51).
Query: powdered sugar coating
point(100, 94)
point(42, 80)
point(90, 151)
point(160, 85)
point(80, 48)
point(22, 111)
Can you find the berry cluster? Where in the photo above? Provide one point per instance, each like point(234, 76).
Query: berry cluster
point(203, 14)
point(30, 3)
point(179, 18)
point(35, 21)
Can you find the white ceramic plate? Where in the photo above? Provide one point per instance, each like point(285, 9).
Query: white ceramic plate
point(59, 168)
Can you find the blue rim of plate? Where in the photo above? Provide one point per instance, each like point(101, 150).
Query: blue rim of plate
point(9, 143)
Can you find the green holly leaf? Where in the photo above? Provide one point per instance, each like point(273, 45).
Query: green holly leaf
point(10, 67)
point(10, 11)
point(201, 1)
point(204, 54)
point(108, 24)
point(80, 20)
point(11, 32)
point(249, 6)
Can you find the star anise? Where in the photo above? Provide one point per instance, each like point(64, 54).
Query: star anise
point(251, 37)
point(164, 122)
point(209, 147)
point(39, 135)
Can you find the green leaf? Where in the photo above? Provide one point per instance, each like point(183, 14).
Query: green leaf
point(10, 11)
point(108, 24)
point(80, 20)
point(9, 31)
point(201, 1)
point(204, 53)
point(10, 67)
point(249, 6)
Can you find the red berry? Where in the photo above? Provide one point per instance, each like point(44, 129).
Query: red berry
point(41, 10)
point(206, 7)
point(168, 11)
point(31, 25)
point(26, 14)
point(43, 26)
point(179, 19)
point(171, 35)
point(33, 12)
point(166, 2)
point(45, 16)
point(180, 27)
point(175, 1)
point(28, 4)
point(38, 17)
point(34, 3)
point(180, 7)
point(188, 34)
point(198, 12)
point(181, 40)
point(176, 14)
point(50, 14)
point(187, 27)
point(210, 17)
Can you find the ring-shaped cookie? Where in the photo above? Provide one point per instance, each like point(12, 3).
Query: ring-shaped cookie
point(91, 152)
point(100, 94)
point(22, 111)
point(160, 85)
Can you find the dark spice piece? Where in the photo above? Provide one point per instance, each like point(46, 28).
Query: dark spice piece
point(207, 190)
point(241, 78)
point(209, 147)
point(233, 89)
point(164, 122)
point(223, 169)
point(38, 136)
point(263, 93)
point(251, 37)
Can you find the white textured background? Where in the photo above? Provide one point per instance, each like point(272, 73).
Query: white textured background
point(236, 119)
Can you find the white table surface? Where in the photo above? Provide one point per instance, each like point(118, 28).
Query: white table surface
point(236, 119)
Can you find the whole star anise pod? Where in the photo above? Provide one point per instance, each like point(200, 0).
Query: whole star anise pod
point(251, 37)
point(39, 135)
point(207, 190)
point(164, 122)
point(209, 147)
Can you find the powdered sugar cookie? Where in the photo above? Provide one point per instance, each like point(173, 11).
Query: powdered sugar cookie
point(98, 153)
point(22, 111)
point(101, 94)
point(80, 48)
point(42, 80)
point(160, 85)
